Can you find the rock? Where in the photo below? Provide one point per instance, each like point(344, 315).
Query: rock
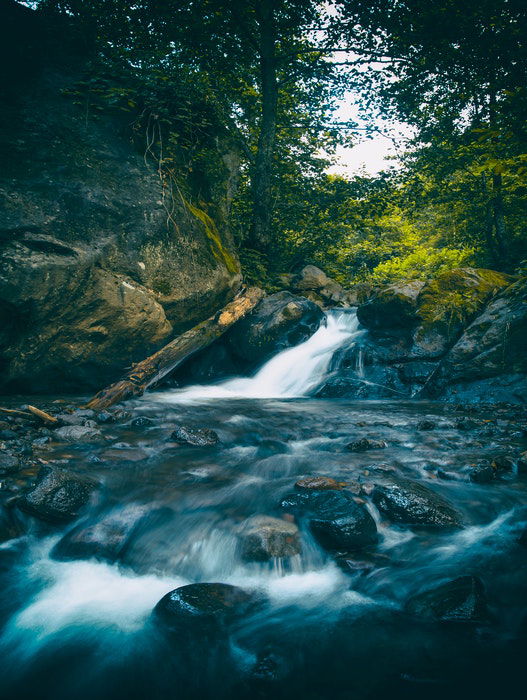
point(335, 518)
point(105, 417)
point(8, 435)
point(426, 425)
point(460, 600)
point(205, 607)
point(310, 277)
point(197, 437)
point(394, 306)
point(365, 444)
point(410, 503)
point(263, 537)
point(451, 299)
point(78, 433)
point(482, 474)
point(58, 495)
point(489, 359)
point(503, 463)
point(8, 463)
point(105, 539)
point(318, 483)
point(92, 277)
point(278, 322)
point(141, 422)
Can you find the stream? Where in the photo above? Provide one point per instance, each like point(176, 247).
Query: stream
point(330, 622)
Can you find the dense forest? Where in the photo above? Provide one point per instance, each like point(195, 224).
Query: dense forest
point(267, 76)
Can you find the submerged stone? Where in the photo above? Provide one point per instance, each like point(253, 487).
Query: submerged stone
point(460, 600)
point(78, 433)
point(105, 539)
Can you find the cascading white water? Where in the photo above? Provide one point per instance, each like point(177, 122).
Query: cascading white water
point(295, 372)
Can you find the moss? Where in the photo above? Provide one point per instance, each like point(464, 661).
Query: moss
point(219, 251)
point(455, 295)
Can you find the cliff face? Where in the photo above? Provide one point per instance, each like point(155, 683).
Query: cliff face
point(98, 264)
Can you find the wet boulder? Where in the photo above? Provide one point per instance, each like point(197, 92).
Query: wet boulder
point(392, 307)
point(205, 607)
point(195, 437)
point(411, 503)
point(278, 322)
point(482, 474)
point(336, 520)
point(460, 600)
point(426, 425)
point(105, 539)
point(58, 495)
point(78, 433)
point(262, 537)
point(366, 444)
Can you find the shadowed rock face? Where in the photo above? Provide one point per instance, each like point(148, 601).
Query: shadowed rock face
point(91, 276)
point(278, 322)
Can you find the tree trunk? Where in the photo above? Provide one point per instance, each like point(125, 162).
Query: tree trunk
point(498, 216)
point(261, 178)
point(150, 371)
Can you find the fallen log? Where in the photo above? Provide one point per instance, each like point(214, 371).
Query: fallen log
point(46, 417)
point(151, 370)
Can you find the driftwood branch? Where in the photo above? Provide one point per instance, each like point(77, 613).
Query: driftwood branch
point(31, 413)
point(151, 370)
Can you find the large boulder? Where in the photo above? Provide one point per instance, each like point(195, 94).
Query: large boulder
point(278, 322)
point(336, 520)
point(58, 495)
point(490, 357)
point(411, 503)
point(93, 273)
point(392, 307)
point(448, 302)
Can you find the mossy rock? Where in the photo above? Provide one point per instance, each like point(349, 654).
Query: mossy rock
point(454, 296)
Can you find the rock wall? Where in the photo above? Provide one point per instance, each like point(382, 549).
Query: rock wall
point(94, 271)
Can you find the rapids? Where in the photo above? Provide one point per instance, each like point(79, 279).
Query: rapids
point(333, 626)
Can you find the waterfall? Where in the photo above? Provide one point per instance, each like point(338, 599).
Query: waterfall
point(294, 372)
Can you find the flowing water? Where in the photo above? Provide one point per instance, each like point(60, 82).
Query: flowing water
point(332, 627)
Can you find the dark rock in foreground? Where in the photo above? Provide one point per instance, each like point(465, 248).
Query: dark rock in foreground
point(410, 503)
point(58, 496)
point(335, 518)
point(263, 537)
point(197, 437)
point(460, 600)
point(205, 607)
